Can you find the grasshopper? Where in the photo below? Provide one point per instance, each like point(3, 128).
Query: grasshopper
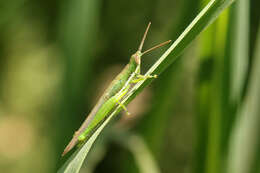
point(112, 95)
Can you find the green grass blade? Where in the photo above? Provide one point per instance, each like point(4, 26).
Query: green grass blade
point(145, 161)
point(244, 144)
point(239, 51)
point(204, 18)
point(216, 110)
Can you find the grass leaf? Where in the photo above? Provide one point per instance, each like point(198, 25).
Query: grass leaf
point(244, 142)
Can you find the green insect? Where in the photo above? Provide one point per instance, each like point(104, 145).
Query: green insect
point(118, 88)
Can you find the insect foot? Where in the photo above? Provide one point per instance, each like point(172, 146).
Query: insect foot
point(152, 76)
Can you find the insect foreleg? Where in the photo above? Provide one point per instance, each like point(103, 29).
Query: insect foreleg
point(140, 77)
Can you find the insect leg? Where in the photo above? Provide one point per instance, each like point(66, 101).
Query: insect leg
point(140, 77)
point(123, 106)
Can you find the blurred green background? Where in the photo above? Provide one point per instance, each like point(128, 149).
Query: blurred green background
point(201, 115)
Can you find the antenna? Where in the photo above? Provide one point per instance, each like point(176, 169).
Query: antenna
point(155, 47)
point(143, 39)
